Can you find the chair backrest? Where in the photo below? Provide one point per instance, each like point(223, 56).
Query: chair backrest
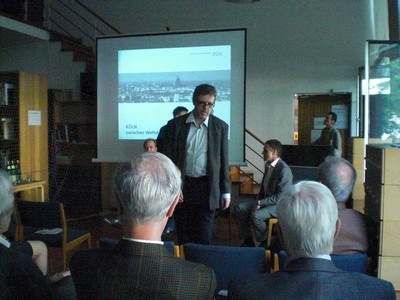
point(39, 214)
point(227, 262)
point(351, 262)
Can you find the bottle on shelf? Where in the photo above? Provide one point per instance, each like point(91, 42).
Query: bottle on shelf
point(13, 172)
point(18, 173)
point(8, 167)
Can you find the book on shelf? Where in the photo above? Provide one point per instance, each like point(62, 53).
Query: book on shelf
point(68, 133)
point(7, 93)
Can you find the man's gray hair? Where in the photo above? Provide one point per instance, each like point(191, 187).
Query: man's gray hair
point(339, 176)
point(6, 194)
point(307, 215)
point(147, 186)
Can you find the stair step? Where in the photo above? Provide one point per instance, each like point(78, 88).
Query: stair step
point(248, 187)
point(237, 176)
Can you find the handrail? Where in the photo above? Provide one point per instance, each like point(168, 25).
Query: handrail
point(98, 17)
point(76, 20)
point(82, 17)
point(70, 22)
point(253, 164)
point(254, 136)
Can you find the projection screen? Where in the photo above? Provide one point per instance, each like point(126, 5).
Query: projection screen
point(142, 78)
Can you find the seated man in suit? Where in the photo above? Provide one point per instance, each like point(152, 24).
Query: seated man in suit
point(308, 218)
point(150, 145)
point(139, 266)
point(277, 178)
point(339, 176)
point(20, 277)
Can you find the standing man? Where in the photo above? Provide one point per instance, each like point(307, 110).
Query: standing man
point(139, 266)
point(198, 144)
point(339, 176)
point(330, 136)
point(277, 178)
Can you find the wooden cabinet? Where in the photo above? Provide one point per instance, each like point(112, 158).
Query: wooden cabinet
point(382, 207)
point(27, 141)
point(356, 157)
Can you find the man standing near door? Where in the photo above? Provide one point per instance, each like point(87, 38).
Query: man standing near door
point(198, 144)
point(330, 136)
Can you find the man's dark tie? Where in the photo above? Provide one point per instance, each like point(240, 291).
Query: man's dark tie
point(267, 177)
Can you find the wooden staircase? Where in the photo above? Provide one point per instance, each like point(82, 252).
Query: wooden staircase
point(248, 186)
point(80, 51)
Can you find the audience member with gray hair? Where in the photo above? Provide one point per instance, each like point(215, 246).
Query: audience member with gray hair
point(340, 176)
point(139, 266)
point(308, 218)
point(20, 277)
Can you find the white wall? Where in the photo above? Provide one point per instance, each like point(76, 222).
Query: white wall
point(46, 59)
point(293, 46)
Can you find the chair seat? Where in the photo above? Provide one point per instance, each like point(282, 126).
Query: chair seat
point(55, 240)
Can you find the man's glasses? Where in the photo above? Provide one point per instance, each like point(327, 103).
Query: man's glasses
point(205, 104)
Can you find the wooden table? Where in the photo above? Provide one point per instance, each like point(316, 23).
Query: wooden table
point(29, 186)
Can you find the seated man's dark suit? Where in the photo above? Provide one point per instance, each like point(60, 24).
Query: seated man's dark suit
point(311, 278)
point(133, 270)
point(20, 278)
point(280, 179)
point(352, 237)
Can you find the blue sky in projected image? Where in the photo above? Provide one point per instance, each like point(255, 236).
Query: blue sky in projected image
point(171, 76)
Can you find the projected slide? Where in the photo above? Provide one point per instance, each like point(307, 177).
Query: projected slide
point(152, 82)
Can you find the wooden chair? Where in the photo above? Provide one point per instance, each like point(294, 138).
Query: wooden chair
point(271, 223)
point(49, 218)
point(226, 261)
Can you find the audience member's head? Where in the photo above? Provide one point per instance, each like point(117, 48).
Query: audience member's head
point(339, 176)
point(6, 200)
point(308, 217)
point(147, 187)
point(274, 145)
point(179, 111)
point(150, 145)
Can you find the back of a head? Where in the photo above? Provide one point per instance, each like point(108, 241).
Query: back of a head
point(6, 196)
point(147, 186)
point(307, 214)
point(339, 176)
point(179, 111)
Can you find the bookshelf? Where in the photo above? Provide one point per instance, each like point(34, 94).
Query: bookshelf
point(24, 127)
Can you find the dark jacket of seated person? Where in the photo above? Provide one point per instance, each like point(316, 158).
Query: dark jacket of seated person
point(134, 270)
point(20, 278)
point(139, 267)
point(308, 218)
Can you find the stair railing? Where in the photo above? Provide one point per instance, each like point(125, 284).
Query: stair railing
point(253, 163)
point(76, 20)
